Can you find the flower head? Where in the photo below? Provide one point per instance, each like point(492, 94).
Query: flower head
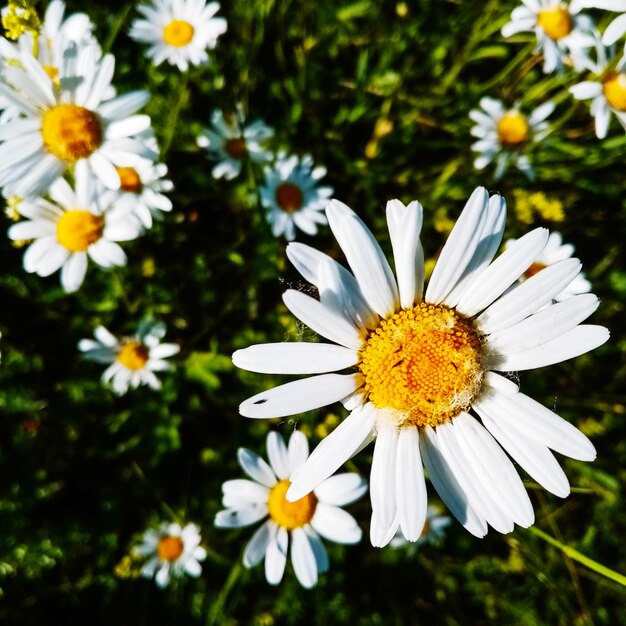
point(617, 28)
point(305, 521)
point(425, 368)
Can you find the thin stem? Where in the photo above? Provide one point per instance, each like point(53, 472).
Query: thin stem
point(182, 97)
point(117, 27)
point(216, 615)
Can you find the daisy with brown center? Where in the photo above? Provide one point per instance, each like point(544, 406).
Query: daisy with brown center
point(230, 142)
point(64, 124)
point(71, 227)
point(132, 361)
point(178, 31)
point(305, 521)
point(504, 135)
point(425, 368)
point(563, 34)
point(171, 551)
point(292, 196)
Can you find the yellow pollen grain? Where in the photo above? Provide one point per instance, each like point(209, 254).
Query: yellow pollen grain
point(287, 514)
point(133, 355)
point(71, 132)
point(130, 180)
point(289, 197)
point(170, 548)
point(424, 363)
point(513, 128)
point(178, 33)
point(556, 23)
point(236, 147)
point(79, 229)
point(614, 86)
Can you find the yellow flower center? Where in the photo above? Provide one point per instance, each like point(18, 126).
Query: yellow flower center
point(129, 179)
point(287, 514)
point(170, 548)
point(78, 229)
point(178, 33)
point(556, 23)
point(71, 132)
point(236, 148)
point(289, 197)
point(535, 268)
point(424, 364)
point(512, 129)
point(133, 355)
point(615, 90)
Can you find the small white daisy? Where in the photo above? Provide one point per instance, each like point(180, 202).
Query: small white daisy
point(67, 122)
point(171, 551)
point(617, 28)
point(179, 31)
point(432, 533)
point(607, 94)
point(424, 368)
point(231, 142)
point(563, 35)
point(504, 133)
point(306, 520)
point(291, 196)
point(72, 226)
point(133, 360)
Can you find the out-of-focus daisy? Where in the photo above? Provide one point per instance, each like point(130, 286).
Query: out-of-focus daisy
point(171, 551)
point(617, 28)
point(73, 226)
point(423, 368)
point(291, 196)
point(67, 123)
point(133, 360)
point(231, 142)
point(179, 31)
point(554, 252)
point(607, 95)
point(306, 520)
point(432, 533)
point(503, 134)
point(563, 35)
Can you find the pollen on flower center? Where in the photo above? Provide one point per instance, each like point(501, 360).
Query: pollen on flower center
point(289, 197)
point(512, 128)
point(71, 132)
point(287, 514)
point(614, 86)
point(236, 148)
point(556, 23)
point(424, 363)
point(178, 33)
point(170, 548)
point(133, 355)
point(79, 229)
point(535, 268)
point(129, 179)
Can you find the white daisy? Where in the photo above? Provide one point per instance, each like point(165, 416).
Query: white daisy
point(179, 31)
point(432, 533)
point(171, 552)
point(504, 133)
point(133, 360)
point(425, 366)
point(554, 252)
point(607, 94)
point(67, 122)
point(231, 142)
point(563, 35)
point(306, 520)
point(617, 28)
point(72, 226)
point(291, 196)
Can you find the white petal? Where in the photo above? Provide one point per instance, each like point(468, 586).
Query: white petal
point(615, 29)
point(335, 524)
point(383, 475)
point(341, 489)
point(257, 546)
point(193, 568)
point(162, 577)
point(586, 90)
point(236, 518)
point(247, 490)
point(321, 557)
point(277, 455)
point(73, 272)
point(298, 450)
point(303, 559)
point(253, 465)
point(276, 555)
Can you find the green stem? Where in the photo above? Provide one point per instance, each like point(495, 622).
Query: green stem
point(117, 27)
point(182, 96)
point(580, 558)
point(215, 614)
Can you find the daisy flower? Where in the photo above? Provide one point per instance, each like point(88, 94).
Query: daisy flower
point(133, 360)
point(554, 252)
point(230, 143)
point(503, 134)
point(428, 367)
point(291, 196)
point(67, 123)
point(171, 551)
point(617, 28)
point(178, 31)
point(563, 35)
point(72, 226)
point(306, 520)
point(432, 533)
